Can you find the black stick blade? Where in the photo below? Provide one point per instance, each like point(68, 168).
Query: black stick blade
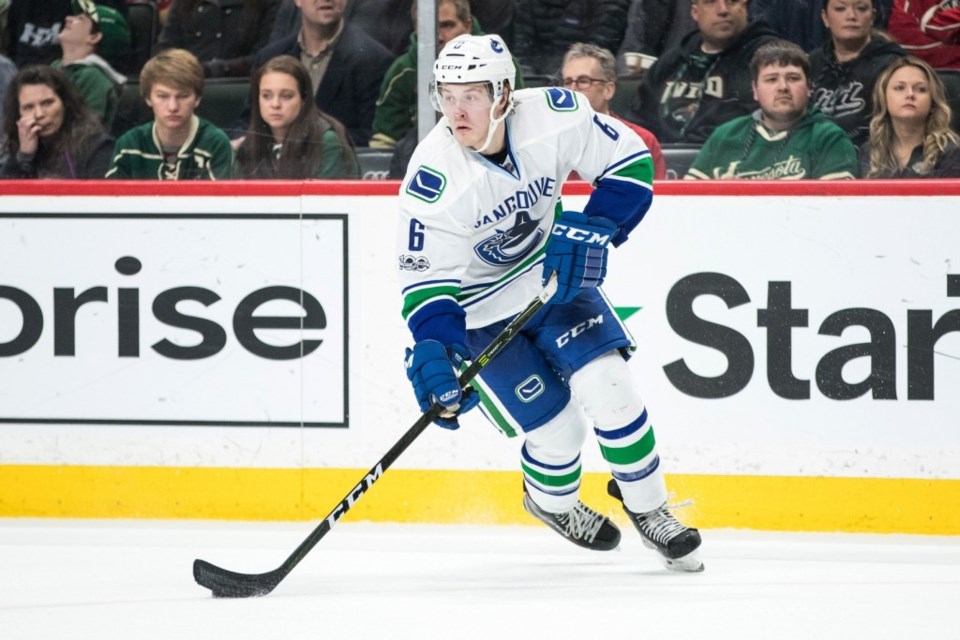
point(230, 584)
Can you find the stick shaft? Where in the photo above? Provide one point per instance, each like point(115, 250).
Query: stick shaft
point(231, 584)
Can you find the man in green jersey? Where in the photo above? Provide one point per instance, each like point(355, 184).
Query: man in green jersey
point(783, 139)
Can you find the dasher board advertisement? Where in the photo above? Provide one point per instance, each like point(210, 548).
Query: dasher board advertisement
point(174, 318)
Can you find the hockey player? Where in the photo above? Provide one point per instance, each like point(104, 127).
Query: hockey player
point(481, 228)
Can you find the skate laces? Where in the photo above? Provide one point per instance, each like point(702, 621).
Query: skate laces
point(660, 525)
point(581, 522)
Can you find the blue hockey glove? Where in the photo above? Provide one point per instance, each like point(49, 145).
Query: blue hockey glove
point(577, 252)
point(432, 370)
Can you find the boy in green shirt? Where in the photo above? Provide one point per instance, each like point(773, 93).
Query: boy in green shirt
point(176, 145)
point(88, 40)
point(783, 140)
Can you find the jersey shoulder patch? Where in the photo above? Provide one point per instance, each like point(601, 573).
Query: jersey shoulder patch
point(560, 99)
point(427, 184)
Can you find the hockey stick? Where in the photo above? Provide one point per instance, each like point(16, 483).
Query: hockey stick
point(230, 584)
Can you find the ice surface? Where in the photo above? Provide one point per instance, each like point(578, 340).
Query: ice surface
point(70, 580)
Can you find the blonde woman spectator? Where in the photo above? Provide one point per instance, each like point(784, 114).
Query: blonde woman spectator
point(910, 135)
point(289, 137)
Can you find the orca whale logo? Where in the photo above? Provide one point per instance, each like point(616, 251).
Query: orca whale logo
point(511, 245)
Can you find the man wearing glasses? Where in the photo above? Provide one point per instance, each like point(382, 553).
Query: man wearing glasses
point(591, 70)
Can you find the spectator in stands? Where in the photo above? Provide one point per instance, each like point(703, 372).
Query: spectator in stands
point(798, 21)
point(4, 33)
point(910, 135)
point(346, 65)
point(177, 144)
point(7, 71)
point(396, 107)
point(496, 16)
point(591, 70)
point(654, 26)
point(846, 67)
point(33, 26)
point(225, 35)
point(704, 82)
point(543, 30)
point(288, 137)
point(784, 139)
point(386, 21)
point(928, 29)
point(85, 38)
point(49, 132)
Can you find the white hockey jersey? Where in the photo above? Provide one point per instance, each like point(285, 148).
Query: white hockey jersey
point(472, 233)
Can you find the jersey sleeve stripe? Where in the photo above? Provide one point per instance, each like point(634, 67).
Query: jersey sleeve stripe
point(612, 168)
point(416, 300)
point(449, 282)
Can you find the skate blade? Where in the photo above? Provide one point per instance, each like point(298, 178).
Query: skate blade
point(689, 563)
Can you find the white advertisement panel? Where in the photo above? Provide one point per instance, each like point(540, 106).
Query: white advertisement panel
point(810, 335)
point(173, 318)
point(803, 336)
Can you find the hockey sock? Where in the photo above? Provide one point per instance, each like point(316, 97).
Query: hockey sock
point(550, 459)
point(605, 389)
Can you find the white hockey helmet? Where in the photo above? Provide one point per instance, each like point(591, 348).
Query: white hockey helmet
point(467, 59)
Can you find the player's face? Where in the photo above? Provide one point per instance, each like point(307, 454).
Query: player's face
point(720, 21)
point(448, 25)
point(848, 20)
point(280, 102)
point(467, 108)
point(908, 95)
point(41, 104)
point(585, 75)
point(322, 12)
point(783, 93)
point(172, 107)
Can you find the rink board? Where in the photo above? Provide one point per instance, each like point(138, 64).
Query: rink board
point(796, 349)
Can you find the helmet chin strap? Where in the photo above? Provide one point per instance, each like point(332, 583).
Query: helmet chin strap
point(495, 122)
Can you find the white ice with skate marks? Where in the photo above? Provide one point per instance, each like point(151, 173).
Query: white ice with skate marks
point(109, 580)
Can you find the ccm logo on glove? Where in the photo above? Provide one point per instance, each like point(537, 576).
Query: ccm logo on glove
point(582, 236)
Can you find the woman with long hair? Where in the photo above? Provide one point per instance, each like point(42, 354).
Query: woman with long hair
point(49, 131)
point(846, 67)
point(910, 135)
point(289, 137)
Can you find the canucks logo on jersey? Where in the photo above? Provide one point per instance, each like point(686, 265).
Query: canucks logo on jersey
point(508, 246)
point(427, 184)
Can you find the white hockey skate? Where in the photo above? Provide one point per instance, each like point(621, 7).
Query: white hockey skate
point(675, 543)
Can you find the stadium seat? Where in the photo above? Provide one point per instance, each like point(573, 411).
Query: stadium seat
point(224, 100)
point(131, 110)
point(626, 93)
point(951, 81)
point(374, 163)
point(144, 23)
point(678, 158)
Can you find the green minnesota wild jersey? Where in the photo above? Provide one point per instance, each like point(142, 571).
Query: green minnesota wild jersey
point(206, 155)
point(815, 148)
